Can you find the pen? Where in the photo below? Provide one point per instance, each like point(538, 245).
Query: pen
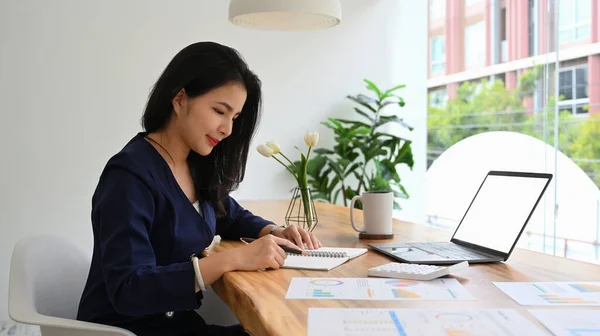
point(285, 248)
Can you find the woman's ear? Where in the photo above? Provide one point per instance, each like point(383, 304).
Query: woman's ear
point(179, 102)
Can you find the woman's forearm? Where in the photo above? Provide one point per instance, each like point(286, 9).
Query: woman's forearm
point(215, 265)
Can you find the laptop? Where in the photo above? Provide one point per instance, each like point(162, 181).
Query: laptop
point(489, 229)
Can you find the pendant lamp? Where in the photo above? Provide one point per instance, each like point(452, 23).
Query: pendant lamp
point(285, 15)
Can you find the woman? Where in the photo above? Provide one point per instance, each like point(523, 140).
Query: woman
point(161, 200)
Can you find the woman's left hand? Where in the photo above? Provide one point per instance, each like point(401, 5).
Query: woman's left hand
point(299, 236)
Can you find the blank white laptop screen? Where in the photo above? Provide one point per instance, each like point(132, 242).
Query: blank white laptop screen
point(499, 211)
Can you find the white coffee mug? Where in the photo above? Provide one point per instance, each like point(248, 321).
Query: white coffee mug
point(377, 212)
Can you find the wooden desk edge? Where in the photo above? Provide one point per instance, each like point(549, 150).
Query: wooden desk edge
point(254, 325)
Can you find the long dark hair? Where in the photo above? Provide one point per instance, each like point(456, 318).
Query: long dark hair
point(199, 68)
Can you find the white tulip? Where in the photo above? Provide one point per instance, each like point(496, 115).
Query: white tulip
point(265, 151)
point(274, 146)
point(311, 139)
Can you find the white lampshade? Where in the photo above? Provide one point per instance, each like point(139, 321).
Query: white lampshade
point(287, 15)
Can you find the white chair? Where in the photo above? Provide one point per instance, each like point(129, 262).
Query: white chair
point(47, 276)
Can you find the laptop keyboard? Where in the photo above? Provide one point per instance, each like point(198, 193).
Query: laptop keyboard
point(448, 250)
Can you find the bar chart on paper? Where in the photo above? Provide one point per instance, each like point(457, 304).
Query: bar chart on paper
point(563, 322)
point(376, 289)
point(416, 322)
point(552, 293)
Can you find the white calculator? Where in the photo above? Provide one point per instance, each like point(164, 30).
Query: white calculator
point(414, 271)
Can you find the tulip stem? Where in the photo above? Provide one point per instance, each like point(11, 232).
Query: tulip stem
point(288, 168)
point(288, 160)
point(307, 204)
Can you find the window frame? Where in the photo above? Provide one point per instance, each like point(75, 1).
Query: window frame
point(481, 63)
point(433, 62)
point(574, 102)
point(441, 92)
point(575, 25)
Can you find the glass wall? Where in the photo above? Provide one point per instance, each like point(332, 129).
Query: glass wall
point(520, 91)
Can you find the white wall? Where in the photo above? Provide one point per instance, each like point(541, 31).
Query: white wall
point(75, 74)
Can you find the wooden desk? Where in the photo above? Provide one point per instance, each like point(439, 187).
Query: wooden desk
point(258, 298)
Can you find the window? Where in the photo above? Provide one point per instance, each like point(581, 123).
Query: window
point(475, 45)
point(437, 9)
point(438, 98)
point(574, 20)
point(573, 89)
point(438, 54)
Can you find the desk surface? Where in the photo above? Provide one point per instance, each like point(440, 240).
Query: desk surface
point(258, 298)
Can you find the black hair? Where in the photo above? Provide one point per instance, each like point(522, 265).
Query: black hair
point(199, 68)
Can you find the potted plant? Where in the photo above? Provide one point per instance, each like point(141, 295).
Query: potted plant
point(364, 157)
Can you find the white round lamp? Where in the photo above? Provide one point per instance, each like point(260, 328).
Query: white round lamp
point(285, 15)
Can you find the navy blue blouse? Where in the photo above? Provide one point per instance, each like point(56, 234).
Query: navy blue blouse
point(145, 230)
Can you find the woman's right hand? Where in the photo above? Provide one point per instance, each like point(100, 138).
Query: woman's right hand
point(262, 253)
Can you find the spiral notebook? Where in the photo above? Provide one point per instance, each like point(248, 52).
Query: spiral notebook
point(323, 259)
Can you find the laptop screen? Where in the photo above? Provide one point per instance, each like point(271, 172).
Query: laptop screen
point(499, 211)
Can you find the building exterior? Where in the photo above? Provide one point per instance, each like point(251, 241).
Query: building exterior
point(470, 40)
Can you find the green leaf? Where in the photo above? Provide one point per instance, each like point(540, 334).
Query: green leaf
point(401, 101)
point(296, 164)
point(315, 165)
point(386, 119)
point(405, 155)
point(371, 86)
point(335, 196)
point(320, 182)
point(366, 99)
point(350, 193)
point(400, 194)
point(343, 162)
point(361, 130)
point(390, 146)
point(352, 168)
point(394, 137)
point(337, 169)
point(379, 184)
point(336, 123)
point(397, 206)
point(354, 122)
point(401, 86)
point(364, 114)
point(358, 101)
point(371, 149)
point(329, 125)
point(388, 102)
point(388, 170)
point(334, 182)
point(323, 151)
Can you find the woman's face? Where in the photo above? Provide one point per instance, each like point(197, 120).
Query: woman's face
point(207, 119)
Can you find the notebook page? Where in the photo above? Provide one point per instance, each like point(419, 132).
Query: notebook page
point(312, 263)
point(351, 252)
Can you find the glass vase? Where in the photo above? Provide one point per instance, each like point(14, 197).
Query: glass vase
point(301, 211)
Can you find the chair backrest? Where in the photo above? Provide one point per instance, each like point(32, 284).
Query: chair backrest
point(47, 276)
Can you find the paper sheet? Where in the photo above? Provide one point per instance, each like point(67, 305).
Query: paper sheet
point(376, 289)
point(569, 322)
point(418, 322)
point(552, 293)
